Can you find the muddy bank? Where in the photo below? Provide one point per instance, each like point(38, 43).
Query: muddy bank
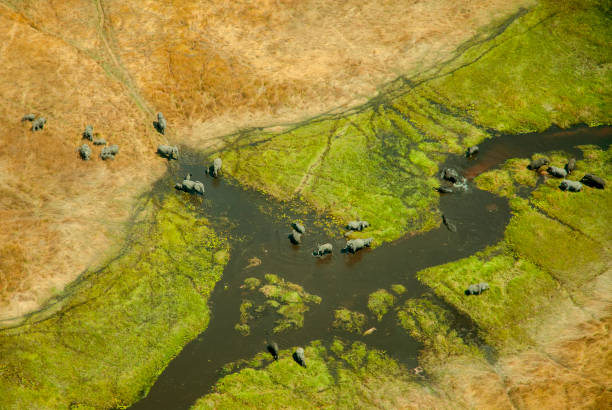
point(341, 280)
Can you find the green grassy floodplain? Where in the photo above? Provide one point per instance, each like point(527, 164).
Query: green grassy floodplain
point(378, 162)
point(120, 326)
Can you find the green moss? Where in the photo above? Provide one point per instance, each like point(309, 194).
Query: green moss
point(377, 162)
point(289, 300)
point(118, 328)
point(398, 289)
point(432, 325)
point(348, 320)
point(339, 377)
point(380, 302)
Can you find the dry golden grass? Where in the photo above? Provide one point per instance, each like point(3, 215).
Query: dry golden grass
point(59, 214)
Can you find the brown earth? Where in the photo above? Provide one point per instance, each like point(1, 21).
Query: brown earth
point(210, 66)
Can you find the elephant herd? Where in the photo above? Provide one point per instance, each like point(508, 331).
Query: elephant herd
point(589, 180)
point(352, 245)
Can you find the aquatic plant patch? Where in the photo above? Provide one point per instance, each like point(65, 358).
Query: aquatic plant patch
point(119, 327)
point(348, 320)
point(288, 300)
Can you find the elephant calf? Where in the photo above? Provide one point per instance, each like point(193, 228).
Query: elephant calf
point(572, 186)
point(28, 117)
point(39, 123)
point(593, 181)
point(444, 190)
point(570, 166)
point(295, 237)
point(355, 245)
point(557, 172)
point(160, 124)
point(85, 152)
point(99, 141)
point(471, 151)
point(357, 225)
point(323, 249)
point(168, 151)
point(298, 227)
point(537, 164)
point(299, 357)
point(88, 133)
point(215, 167)
point(273, 349)
point(189, 186)
point(109, 152)
point(477, 289)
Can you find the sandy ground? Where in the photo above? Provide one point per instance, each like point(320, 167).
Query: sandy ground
point(210, 66)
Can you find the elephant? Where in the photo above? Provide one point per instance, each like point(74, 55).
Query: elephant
point(99, 141)
point(355, 245)
point(593, 181)
point(295, 237)
point(189, 186)
point(477, 289)
point(85, 152)
point(323, 249)
point(273, 349)
point(536, 164)
point(570, 166)
point(298, 227)
point(168, 151)
point(449, 225)
point(471, 151)
point(88, 133)
point(215, 167)
point(357, 225)
point(444, 190)
point(109, 152)
point(299, 357)
point(39, 123)
point(572, 186)
point(160, 124)
point(557, 172)
point(452, 175)
point(28, 117)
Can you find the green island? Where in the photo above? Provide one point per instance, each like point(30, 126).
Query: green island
point(118, 328)
point(378, 162)
point(289, 300)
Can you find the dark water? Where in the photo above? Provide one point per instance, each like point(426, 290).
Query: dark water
point(342, 280)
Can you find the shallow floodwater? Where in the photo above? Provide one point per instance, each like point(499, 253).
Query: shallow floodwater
point(342, 280)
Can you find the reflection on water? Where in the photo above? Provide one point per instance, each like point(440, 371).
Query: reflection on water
point(342, 280)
